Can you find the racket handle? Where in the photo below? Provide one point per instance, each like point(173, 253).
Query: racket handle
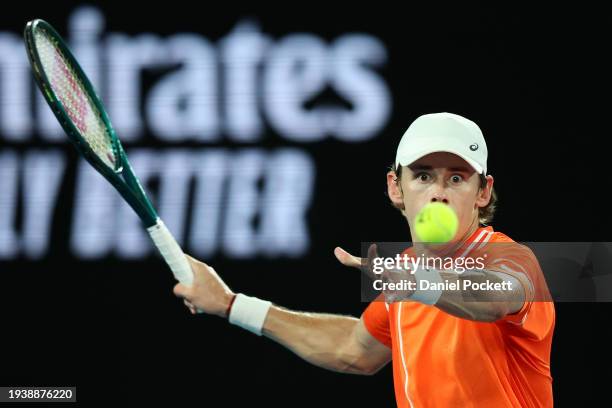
point(171, 252)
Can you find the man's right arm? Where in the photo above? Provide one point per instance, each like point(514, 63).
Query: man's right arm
point(335, 342)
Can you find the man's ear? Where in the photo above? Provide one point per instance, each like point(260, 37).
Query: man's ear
point(394, 190)
point(484, 194)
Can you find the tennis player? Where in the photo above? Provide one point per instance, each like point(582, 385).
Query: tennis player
point(462, 347)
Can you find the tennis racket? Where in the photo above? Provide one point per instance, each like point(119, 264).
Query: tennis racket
point(78, 109)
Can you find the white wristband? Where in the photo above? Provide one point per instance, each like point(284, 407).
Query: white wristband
point(427, 296)
point(249, 313)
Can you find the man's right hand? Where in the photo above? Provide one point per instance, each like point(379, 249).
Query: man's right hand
point(208, 293)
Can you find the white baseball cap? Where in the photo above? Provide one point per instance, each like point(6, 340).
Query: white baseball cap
point(443, 132)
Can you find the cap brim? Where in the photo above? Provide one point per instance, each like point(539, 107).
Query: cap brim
point(408, 160)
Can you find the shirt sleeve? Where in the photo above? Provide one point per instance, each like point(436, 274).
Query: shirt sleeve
point(536, 317)
point(376, 320)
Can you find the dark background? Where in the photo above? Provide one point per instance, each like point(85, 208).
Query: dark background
point(529, 78)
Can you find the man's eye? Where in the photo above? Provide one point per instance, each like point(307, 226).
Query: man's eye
point(423, 176)
point(456, 178)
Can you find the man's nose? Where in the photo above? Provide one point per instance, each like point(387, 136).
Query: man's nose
point(439, 198)
point(439, 195)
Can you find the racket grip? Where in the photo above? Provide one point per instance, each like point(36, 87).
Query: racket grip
point(171, 252)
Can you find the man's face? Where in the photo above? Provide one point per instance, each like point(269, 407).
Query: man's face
point(442, 177)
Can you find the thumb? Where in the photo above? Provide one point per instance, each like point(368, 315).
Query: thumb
point(347, 259)
point(182, 291)
point(372, 253)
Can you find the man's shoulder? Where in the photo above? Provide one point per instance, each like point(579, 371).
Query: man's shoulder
point(498, 236)
point(501, 244)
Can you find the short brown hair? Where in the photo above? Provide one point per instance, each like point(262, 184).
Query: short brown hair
point(485, 214)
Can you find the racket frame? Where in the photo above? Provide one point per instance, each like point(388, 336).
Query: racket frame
point(122, 177)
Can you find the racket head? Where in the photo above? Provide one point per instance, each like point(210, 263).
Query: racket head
point(81, 114)
point(71, 96)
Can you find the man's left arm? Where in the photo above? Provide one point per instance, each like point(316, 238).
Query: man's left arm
point(484, 295)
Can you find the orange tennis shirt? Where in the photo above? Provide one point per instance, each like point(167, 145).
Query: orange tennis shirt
point(440, 360)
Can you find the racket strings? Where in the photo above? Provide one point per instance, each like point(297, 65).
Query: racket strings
point(72, 94)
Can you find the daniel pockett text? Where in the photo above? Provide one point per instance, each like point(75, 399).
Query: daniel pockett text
point(434, 273)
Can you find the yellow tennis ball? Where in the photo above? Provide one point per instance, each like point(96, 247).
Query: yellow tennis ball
point(436, 223)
